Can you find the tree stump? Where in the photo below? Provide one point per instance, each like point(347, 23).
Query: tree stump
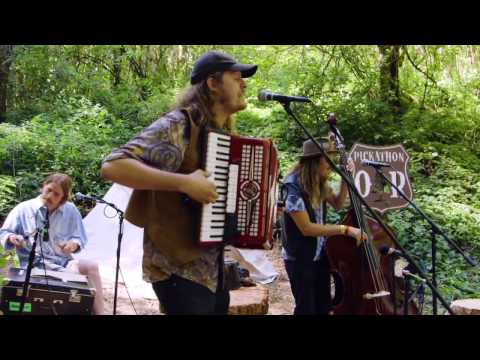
point(251, 300)
point(466, 307)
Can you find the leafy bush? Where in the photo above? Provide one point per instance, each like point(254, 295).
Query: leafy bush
point(73, 139)
point(449, 194)
point(7, 196)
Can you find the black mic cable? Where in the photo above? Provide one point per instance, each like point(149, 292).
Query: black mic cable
point(46, 226)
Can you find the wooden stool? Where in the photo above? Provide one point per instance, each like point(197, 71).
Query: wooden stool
point(466, 307)
point(251, 300)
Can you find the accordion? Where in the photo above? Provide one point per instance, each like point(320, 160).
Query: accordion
point(245, 171)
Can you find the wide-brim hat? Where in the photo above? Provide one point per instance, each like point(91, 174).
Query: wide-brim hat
point(310, 150)
point(214, 61)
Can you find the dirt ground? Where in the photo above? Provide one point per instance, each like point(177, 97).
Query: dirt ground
point(280, 296)
point(281, 300)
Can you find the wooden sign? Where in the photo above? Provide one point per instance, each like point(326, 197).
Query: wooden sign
point(376, 191)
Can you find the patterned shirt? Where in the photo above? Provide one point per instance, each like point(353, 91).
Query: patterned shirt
point(294, 202)
point(162, 145)
point(65, 224)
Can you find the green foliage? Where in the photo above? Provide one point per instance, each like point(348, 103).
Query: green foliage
point(72, 139)
point(7, 198)
point(450, 196)
point(7, 202)
point(7, 259)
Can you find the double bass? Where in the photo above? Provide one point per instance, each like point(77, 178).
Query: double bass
point(362, 278)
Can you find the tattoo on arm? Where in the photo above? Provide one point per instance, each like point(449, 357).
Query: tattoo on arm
point(163, 156)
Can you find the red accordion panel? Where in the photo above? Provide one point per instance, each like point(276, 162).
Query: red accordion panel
point(256, 190)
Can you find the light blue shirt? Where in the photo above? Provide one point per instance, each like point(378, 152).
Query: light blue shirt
point(29, 216)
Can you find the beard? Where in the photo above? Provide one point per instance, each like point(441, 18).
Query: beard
point(231, 103)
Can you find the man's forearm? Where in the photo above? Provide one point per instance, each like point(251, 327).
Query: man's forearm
point(135, 174)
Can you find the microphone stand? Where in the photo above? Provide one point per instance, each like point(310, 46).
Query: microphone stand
point(394, 295)
point(26, 283)
point(120, 214)
point(435, 230)
point(353, 189)
point(31, 259)
point(406, 298)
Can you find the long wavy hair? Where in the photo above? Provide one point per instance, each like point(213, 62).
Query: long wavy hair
point(200, 95)
point(311, 182)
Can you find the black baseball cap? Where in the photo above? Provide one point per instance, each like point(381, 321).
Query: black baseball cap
point(214, 61)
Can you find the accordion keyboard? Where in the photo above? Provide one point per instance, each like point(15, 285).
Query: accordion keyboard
point(225, 178)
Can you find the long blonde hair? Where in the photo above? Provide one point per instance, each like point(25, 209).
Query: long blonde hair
point(200, 95)
point(310, 180)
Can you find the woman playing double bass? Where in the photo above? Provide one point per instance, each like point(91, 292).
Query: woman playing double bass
point(306, 189)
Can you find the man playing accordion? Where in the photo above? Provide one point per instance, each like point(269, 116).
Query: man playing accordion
point(163, 166)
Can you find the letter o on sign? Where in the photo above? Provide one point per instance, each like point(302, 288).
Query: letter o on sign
point(363, 183)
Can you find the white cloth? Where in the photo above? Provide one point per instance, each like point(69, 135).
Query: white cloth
point(101, 226)
point(256, 262)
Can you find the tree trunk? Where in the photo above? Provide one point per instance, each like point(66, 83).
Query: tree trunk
point(389, 70)
point(139, 69)
point(5, 62)
point(117, 66)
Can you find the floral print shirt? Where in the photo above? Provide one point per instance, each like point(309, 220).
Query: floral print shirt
point(162, 145)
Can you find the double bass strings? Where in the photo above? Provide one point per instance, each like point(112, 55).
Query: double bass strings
point(373, 259)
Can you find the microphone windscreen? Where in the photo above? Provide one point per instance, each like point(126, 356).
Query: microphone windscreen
point(384, 249)
point(44, 211)
point(332, 119)
point(263, 95)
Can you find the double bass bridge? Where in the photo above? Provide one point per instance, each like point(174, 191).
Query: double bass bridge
point(382, 293)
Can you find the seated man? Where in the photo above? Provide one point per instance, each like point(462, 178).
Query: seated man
point(66, 234)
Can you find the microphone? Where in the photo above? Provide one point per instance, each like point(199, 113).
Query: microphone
point(45, 235)
point(332, 119)
point(266, 95)
point(79, 197)
point(387, 251)
point(376, 164)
